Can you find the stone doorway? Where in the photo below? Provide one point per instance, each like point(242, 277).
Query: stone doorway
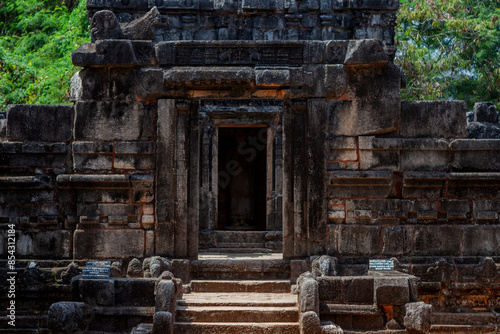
point(241, 176)
point(242, 162)
point(186, 181)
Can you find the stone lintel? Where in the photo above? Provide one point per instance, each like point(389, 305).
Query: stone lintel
point(126, 53)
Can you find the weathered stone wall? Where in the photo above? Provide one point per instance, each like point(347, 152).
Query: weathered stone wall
point(425, 196)
point(422, 193)
point(68, 178)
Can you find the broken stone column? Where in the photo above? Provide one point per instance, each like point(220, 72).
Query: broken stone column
point(308, 293)
point(310, 323)
point(165, 296)
point(163, 323)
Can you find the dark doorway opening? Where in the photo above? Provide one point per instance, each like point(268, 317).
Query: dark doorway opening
point(242, 159)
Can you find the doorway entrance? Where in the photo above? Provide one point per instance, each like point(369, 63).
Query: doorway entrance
point(187, 173)
point(242, 163)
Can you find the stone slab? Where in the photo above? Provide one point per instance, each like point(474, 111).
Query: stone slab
point(361, 118)
point(113, 121)
point(102, 244)
point(392, 291)
point(475, 155)
point(43, 244)
point(434, 119)
point(39, 122)
point(482, 240)
point(437, 240)
point(359, 240)
point(425, 155)
point(368, 82)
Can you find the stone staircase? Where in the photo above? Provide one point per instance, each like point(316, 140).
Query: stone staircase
point(238, 293)
point(238, 306)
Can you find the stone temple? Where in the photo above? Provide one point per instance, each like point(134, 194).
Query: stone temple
point(241, 164)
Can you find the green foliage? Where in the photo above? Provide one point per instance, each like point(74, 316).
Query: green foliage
point(36, 41)
point(450, 49)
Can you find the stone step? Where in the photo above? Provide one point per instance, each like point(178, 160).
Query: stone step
point(272, 286)
point(238, 299)
point(246, 249)
point(241, 237)
point(349, 309)
point(382, 331)
point(354, 317)
point(24, 331)
point(232, 314)
point(464, 329)
point(249, 269)
point(119, 319)
point(240, 241)
point(239, 328)
point(241, 245)
point(471, 318)
point(142, 329)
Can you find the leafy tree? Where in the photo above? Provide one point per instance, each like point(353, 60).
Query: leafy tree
point(450, 49)
point(36, 41)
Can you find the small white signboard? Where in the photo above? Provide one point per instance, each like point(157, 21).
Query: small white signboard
point(381, 265)
point(96, 269)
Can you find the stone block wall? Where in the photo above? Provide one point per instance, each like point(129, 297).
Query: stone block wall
point(78, 180)
point(423, 195)
point(419, 193)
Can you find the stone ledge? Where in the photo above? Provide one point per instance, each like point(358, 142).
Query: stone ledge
point(21, 179)
point(476, 144)
point(472, 176)
point(92, 178)
point(106, 244)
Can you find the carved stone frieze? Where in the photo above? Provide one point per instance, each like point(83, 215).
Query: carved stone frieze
point(229, 53)
point(243, 19)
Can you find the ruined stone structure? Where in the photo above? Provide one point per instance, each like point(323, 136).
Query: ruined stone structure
point(274, 127)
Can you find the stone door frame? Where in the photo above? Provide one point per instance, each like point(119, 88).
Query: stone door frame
point(215, 115)
point(177, 181)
